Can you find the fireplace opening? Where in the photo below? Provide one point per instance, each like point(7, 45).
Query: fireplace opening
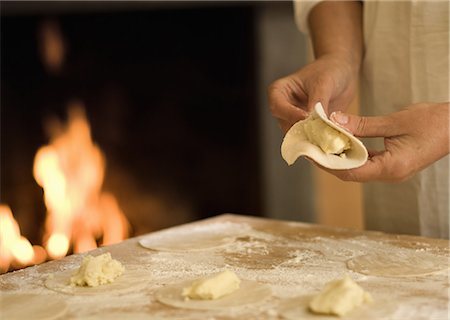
point(170, 94)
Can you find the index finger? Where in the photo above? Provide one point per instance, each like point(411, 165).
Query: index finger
point(281, 107)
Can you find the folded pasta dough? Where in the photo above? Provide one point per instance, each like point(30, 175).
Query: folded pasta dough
point(323, 141)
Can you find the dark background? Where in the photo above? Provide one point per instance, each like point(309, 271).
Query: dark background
point(171, 97)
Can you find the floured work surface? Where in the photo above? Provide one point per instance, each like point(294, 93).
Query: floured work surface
point(407, 276)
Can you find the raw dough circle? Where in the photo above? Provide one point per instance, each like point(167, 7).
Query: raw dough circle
point(297, 308)
point(194, 239)
point(130, 280)
point(398, 264)
point(119, 316)
point(250, 292)
point(32, 306)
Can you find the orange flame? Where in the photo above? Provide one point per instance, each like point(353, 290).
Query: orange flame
point(14, 248)
point(71, 170)
point(52, 46)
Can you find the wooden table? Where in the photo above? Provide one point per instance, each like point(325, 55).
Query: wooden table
point(294, 259)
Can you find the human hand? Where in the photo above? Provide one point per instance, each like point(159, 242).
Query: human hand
point(414, 138)
point(329, 80)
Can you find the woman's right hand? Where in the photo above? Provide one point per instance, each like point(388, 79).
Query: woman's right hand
point(330, 79)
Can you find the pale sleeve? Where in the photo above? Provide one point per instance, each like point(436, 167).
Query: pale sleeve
point(302, 8)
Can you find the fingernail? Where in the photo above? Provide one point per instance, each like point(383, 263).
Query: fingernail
point(339, 117)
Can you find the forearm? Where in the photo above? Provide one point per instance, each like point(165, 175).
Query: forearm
point(336, 29)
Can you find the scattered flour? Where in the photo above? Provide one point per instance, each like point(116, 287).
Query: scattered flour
point(304, 268)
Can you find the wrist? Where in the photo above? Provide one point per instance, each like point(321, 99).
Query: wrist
point(350, 62)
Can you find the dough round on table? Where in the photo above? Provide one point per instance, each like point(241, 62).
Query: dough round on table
point(194, 239)
point(31, 306)
point(298, 308)
point(398, 264)
point(119, 315)
point(249, 292)
point(130, 280)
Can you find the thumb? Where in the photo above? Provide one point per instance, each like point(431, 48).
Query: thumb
point(382, 126)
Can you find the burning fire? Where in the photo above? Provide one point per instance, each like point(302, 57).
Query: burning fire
point(14, 248)
point(70, 170)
